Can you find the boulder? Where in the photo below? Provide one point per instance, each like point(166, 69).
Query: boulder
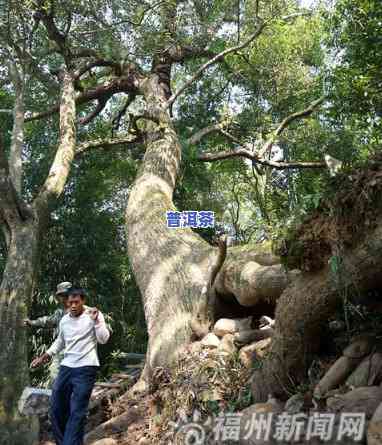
point(368, 372)
point(374, 429)
point(231, 326)
point(360, 347)
point(106, 441)
point(34, 401)
point(193, 348)
point(257, 349)
point(227, 344)
point(360, 400)
point(210, 341)
point(337, 326)
point(295, 404)
point(265, 412)
point(251, 335)
point(266, 322)
point(115, 425)
point(336, 375)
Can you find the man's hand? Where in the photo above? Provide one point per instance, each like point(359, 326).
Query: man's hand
point(27, 322)
point(38, 361)
point(93, 312)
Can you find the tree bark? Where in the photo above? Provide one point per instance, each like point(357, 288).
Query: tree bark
point(304, 308)
point(23, 225)
point(15, 291)
point(171, 266)
point(253, 276)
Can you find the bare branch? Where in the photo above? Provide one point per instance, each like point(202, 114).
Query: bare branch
point(288, 120)
point(12, 208)
point(195, 138)
point(15, 162)
point(53, 33)
point(229, 136)
point(124, 84)
point(100, 106)
point(117, 119)
point(214, 60)
point(107, 143)
point(60, 168)
point(242, 152)
point(224, 53)
point(93, 64)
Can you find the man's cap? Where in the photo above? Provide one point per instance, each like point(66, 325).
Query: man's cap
point(77, 291)
point(63, 288)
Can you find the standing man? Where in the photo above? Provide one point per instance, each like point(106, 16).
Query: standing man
point(79, 332)
point(52, 321)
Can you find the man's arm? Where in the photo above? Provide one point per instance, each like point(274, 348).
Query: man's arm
point(57, 346)
point(101, 330)
point(46, 321)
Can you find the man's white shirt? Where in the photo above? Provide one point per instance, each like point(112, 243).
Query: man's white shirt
point(79, 337)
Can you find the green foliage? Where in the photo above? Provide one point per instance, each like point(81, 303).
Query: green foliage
point(354, 30)
point(336, 51)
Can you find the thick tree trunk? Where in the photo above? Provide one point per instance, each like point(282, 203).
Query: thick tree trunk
point(171, 266)
point(304, 308)
point(252, 276)
point(22, 226)
point(15, 291)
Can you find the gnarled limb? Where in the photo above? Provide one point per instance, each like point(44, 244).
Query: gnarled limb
point(60, 168)
point(304, 308)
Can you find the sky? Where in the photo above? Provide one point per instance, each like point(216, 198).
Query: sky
point(306, 3)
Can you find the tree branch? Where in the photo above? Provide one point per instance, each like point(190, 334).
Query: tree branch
point(242, 152)
point(117, 119)
point(214, 60)
point(199, 135)
point(54, 34)
point(60, 168)
point(288, 120)
point(93, 64)
point(124, 84)
point(12, 208)
point(97, 110)
point(107, 143)
point(17, 140)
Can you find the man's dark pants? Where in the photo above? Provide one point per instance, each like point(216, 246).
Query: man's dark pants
point(69, 403)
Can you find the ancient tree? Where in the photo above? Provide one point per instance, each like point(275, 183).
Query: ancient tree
point(95, 54)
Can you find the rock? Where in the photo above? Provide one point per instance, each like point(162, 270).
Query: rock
point(34, 401)
point(257, 349)
point(115, 425)
point(231, 326)
point(143, 441)
point(368, 372)
point(107, 441)
point(374, 429)
point(295, 403)
point(227, 344)
point(194, 347)
point(336, 326)
point(360, 347)
point(259, 411)
point(360, 400)
point(266, 322)
point(336, 375)
point(251, 335)
point(210, 341)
